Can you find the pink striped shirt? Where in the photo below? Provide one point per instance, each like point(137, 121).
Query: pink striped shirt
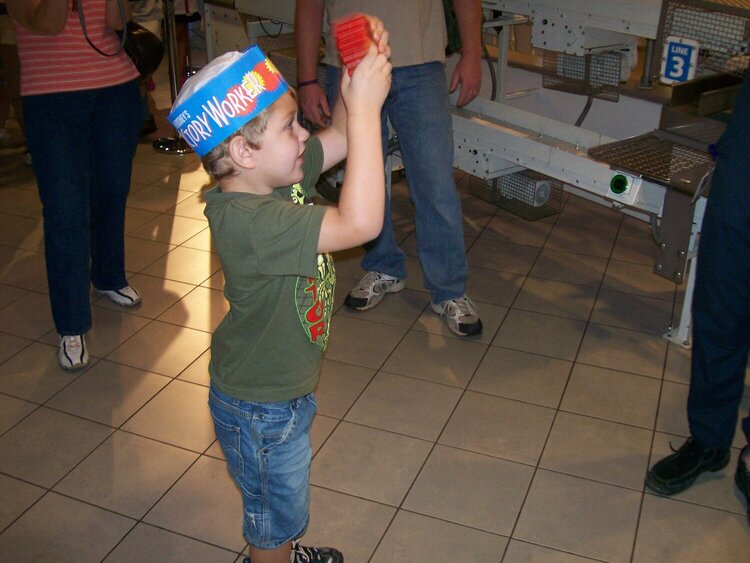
point(66, 62)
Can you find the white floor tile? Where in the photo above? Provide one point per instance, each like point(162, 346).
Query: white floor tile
point(369, 463)
point(412, 537)
point(499, 427)
point(47, 444)
point(72, 530)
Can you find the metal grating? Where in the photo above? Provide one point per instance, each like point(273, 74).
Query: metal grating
point(722, 27)
point(596, 75)
point(650, 156)
point(527, 194)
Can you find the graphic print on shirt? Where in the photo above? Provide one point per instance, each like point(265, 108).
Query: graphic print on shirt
point(315, 294)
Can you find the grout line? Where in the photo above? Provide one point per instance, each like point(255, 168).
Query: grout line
point(413, 327)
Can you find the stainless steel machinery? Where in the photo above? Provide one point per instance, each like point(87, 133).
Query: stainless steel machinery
point(567, 122)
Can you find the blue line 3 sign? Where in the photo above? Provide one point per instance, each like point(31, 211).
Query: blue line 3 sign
point(678, 63)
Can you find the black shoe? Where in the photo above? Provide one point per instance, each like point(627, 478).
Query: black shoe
point(677, 472)
point(742, 479)
point(304, 554)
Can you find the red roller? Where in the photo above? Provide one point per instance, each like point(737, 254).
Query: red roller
point(353, 38)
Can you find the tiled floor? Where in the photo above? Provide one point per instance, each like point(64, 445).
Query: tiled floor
point(528, 444)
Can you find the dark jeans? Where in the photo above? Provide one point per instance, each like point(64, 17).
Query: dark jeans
point(82, 145)
point(419, 110)
point(721, 305)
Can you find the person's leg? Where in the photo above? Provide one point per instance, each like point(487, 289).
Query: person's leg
point(419, 110)
point(384, 254)
point(281, 554)
point(721, 304)
point(384, 261)
point(721, 319)
point(333, 79)
point(116, 114)
point(59, 141)
point(721, 314)
point(721, 331)
point(268, 453)
point(244, 429)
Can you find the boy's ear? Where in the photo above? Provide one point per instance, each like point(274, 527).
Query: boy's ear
point(241, 152)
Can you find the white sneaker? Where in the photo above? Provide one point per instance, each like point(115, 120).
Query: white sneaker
point(125, 296)
point(73, 353)
point(371, 289)
point(460, 315)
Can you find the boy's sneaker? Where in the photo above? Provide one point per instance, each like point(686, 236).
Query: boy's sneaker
point(678, 471)
point(371, 289)
point(460, 315)
point(742, 478)
point(304, 554)
point(126, 296)
point(73, 353)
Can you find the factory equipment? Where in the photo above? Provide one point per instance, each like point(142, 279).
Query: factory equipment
point(659, 168)
point(571, 124)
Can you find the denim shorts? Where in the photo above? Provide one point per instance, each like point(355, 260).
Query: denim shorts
point(268, 453)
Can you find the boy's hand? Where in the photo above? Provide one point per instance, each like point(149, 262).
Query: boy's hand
point(368, 87)
point(379, 35)
point(312, 99)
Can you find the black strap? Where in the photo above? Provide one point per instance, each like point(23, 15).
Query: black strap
point(123, 37)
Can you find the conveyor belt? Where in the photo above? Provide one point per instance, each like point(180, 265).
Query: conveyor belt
point(652, 156)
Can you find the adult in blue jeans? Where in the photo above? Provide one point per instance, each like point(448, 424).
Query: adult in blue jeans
point(82, 114)
point(419, 111)
point(721, 322)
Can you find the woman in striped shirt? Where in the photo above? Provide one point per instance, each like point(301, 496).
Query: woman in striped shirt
point(82, 115)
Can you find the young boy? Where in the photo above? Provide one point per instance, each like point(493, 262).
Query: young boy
point(241, 118)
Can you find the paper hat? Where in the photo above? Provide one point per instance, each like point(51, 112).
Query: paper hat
point(226, 94)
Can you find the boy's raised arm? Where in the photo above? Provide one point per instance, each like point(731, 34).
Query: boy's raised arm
point(359, 215)
point(333, 138)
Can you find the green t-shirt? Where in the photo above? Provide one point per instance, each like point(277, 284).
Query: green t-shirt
point(269, 346)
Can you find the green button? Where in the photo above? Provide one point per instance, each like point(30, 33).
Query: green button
point(619, 183)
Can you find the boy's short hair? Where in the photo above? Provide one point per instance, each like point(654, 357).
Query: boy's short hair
point(217, 162)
